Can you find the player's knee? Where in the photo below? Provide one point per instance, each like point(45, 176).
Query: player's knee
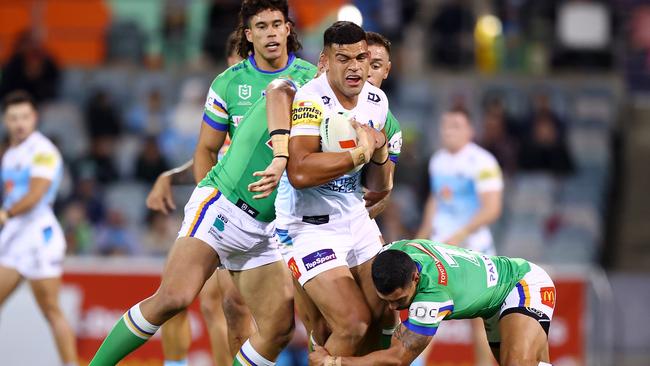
point(51, 311)
point(172, 302)
point(278, 332)
point(353, 327)
point(234, 307)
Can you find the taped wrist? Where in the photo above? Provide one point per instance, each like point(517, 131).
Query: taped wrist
point(358, 155)
point(332, 361)
point(280, 142)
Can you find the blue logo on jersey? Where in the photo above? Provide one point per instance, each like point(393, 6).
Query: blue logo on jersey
point(344, 185)
point(47, 234)
point(317, 258)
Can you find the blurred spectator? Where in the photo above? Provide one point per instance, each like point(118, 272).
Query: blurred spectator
point(498, 135)
point(222, 19)
point(175, 30)
point(99, 164)
point(151, 118)
point(102, 118)
point(114, 238)
point(161, 232)
point(545, 149)
point(32, 69)
point(77, 228)
point(89, 194)
point(150, 162)
point(179, 140)
point(452, 34)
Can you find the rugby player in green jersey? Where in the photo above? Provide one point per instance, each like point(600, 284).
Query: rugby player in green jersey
point(436, 282)
point(267, 41)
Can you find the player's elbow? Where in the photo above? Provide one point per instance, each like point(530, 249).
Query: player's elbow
point(298, 180)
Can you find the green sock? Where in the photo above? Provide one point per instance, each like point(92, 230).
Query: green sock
point(129, 333)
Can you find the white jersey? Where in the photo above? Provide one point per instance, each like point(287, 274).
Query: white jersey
point(36, 157)
point(456, 182)
point(313, 103)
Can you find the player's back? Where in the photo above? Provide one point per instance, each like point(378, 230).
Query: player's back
point(35, 157)
point(475, 284)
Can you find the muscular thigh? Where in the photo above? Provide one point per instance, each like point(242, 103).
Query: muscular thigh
point(523, 338)
point(9, 280)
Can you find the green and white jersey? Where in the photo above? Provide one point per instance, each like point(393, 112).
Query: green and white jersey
point(456, 283)
point(394, 135)
point(235, 90)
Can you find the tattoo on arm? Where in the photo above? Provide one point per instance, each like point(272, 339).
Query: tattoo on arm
point(412, 343)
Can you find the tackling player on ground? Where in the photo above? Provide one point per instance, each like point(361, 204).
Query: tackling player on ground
point(32, 244)
point(436, 282)
point(267, 45)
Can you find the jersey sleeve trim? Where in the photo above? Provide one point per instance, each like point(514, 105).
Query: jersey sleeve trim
point(394, 158)
point(214, 124)
point(419, 329)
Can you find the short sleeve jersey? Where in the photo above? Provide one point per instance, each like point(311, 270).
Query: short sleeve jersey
point(456, 182)
point(456, 283)
point(312, 104)
point(235, 90)
point(36, 157)
point(394, 135)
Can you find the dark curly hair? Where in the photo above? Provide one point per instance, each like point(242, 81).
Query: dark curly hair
point(250, 8)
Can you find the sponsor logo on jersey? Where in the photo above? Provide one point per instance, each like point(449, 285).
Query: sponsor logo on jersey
point(442, 272)
point(245, 91)
point(539, 313)
point(306, 113)
point(326, 99)
point(220, 222)
point(548, 296)
point(491, 271)
point(344, 185)
point(395, 143)
point(374, 98)
point(317, 258)
point(45, 160)
point(293, 267)
point(424, 312)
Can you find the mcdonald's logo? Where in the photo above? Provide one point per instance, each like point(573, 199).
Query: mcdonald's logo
point(293, 267)
point(548, 296)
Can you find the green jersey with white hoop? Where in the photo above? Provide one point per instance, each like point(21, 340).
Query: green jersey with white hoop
point(456, 283)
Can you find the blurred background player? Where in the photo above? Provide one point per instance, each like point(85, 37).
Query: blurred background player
point(32, 245)
point(466, 196)
point(435, 282)
point(176, 333)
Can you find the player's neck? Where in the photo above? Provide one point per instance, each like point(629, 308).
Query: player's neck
point(15, 141)
point(271, 65)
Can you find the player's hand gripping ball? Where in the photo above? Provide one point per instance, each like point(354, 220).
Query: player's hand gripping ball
point(337, 135)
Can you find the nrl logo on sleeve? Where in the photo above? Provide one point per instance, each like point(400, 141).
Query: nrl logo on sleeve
point(245, 91)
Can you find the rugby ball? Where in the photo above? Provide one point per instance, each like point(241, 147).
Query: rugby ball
point(338, 135)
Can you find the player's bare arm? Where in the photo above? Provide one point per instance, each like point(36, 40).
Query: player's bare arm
point(309, 167)
point(279, 96)
point(490, 211)
point(379, 176)
point(205, 155)
point(37, 189)
point(405, 347)
point(161, 198)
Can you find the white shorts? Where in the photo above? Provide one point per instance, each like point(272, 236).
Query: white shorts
point(33, 245)
point(534, 296)
point(241, 241)
point(311, 249)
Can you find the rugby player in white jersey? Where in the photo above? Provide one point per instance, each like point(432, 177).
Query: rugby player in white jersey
point(466, 196)
point(32, 244)
point(320, 206)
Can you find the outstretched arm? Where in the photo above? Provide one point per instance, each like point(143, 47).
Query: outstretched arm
point(405, 347)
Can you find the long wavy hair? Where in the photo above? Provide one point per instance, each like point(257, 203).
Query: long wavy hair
point(250, 8)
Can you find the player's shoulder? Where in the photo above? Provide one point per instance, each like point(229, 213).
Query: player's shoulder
point(479, 154)
point(233, 72)
point(375, 96)
point(313, 90)
point(304, 66)
point(40, 144)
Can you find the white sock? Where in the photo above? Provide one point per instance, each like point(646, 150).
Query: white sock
point(544, 364)
point(137, 324)
point(175, 363)
point(248, 355)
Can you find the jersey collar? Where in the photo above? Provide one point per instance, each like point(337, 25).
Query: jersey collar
point(251, 59)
